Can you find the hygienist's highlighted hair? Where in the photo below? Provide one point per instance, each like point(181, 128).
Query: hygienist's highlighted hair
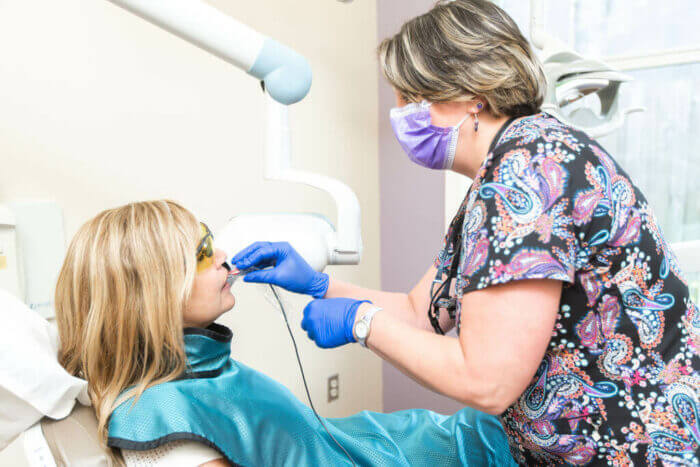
point(464, 49)
point(120, 297)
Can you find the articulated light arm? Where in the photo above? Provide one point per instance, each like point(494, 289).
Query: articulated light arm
point(286, 74)
point(346, 245)
point(287, 79)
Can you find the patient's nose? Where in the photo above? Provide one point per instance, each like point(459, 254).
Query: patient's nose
point(219, 257)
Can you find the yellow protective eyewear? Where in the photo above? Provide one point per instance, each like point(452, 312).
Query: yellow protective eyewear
point(205, 249)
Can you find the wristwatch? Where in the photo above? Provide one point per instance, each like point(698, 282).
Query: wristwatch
point(362, 326)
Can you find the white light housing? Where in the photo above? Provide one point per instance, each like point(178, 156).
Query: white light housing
point(312, 235)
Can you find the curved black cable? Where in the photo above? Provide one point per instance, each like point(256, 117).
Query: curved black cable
point(301, 368)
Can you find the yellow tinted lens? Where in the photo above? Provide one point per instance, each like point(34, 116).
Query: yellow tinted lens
point(205, 250)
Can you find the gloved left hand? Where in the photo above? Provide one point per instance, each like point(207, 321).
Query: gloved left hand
point(329, 322)
point(290, 270)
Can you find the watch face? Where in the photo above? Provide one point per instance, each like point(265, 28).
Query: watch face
point(361, 330)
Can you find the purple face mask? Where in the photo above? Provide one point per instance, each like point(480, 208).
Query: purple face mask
point(427, 145)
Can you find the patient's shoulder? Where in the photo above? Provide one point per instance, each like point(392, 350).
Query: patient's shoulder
point(175, 453)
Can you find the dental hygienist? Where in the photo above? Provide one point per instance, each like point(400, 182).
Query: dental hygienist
point(576, 325)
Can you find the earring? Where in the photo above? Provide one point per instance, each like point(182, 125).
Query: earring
point(479, 106)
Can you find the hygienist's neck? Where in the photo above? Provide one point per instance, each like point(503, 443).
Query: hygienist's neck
point(474, 146)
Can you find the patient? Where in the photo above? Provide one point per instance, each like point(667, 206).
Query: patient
point(136, 301)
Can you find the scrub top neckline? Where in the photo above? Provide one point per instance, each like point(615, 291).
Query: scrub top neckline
point(498, 135)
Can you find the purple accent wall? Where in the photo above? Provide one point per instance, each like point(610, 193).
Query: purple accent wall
point(412, 211)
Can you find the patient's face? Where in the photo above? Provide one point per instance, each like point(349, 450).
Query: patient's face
point(211, 295)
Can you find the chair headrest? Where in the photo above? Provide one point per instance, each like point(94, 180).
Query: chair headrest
point(32, 382)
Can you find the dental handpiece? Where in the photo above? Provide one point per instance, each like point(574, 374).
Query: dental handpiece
point(235, 273)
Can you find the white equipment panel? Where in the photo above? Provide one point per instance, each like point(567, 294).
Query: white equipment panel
point(41, 243)
point(9, 267)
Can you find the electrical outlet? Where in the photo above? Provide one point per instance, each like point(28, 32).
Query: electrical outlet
point(333, 387)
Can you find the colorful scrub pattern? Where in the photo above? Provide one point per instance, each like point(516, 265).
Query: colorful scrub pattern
point(619, 382)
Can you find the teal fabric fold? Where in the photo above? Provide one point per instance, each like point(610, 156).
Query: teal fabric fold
point(254, 421)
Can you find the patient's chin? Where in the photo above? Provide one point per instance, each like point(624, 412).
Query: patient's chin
point(229, 301)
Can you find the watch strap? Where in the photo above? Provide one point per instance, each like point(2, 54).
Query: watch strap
point(367, 320)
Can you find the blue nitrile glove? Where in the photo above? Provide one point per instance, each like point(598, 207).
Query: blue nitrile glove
point(290, 270)
point(329, 321)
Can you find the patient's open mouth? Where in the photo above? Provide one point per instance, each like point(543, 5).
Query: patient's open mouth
point(235, 273)
point(230, 278)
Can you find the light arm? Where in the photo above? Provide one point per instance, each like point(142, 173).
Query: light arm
point(287, 78)
point(344, 245)
point(286, 74)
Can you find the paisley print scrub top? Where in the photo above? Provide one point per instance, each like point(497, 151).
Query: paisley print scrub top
point(619, 381)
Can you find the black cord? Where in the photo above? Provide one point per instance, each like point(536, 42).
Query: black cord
point(301, 368)
point(433, 311)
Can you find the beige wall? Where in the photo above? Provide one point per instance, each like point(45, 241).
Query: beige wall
point(99, 108)
point(412, 211)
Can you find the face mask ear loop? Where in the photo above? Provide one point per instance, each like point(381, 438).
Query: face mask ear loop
point(461, 122)
point(452, 148)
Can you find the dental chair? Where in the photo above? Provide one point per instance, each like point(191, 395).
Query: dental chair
point(44, 417)
point(71, 441)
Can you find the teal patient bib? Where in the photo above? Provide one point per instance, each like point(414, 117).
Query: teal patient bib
point(255, 421)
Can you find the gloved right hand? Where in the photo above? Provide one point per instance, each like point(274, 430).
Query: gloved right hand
point(290, 270)
point(329, 322)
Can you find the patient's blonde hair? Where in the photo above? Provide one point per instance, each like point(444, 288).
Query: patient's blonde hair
point(120, 298)
point(461, 50)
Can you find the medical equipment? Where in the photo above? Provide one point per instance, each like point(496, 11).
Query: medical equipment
point(286, 74)
point(312, 235)
point(286, 78)
point(32, 246)
point(9, 266)
point(234, 274)
point(441, 298)
point(571, 77)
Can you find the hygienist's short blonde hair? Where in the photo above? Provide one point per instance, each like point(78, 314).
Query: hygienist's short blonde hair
point(120, 297)
point(463, 49)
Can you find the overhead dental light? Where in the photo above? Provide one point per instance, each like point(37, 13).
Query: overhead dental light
point(581, 92)
point(286, 78)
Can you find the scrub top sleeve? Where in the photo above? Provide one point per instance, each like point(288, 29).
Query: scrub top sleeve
point(518, 221)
